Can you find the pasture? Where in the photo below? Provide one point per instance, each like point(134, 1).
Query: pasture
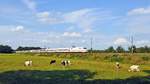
point(86, 68)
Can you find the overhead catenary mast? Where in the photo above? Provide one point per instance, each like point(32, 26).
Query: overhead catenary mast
point(91, 44)
point(132, 44)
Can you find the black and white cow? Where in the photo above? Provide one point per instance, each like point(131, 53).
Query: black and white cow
point(65, 62)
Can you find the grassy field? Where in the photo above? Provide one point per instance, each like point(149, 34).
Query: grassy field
point(86, 68)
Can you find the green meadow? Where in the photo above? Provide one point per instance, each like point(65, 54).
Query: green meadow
point(85, 68)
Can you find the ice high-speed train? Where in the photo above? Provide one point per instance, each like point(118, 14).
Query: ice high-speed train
point(73, 49)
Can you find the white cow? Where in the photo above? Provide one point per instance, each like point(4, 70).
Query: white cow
point(28, 63)
point(134, 68)
point(69, 63)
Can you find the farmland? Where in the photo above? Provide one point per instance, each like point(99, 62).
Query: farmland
point(85, 68)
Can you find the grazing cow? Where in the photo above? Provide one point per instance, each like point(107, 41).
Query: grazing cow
point(28, 63)
point(134, 68)
point(118, 65)
point(63, 63)
point(66, 62)
point(52, 61)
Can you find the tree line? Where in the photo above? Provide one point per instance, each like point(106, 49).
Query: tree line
point(20, 48)
point(8, 49)
point(111, 49)
point(120, 49)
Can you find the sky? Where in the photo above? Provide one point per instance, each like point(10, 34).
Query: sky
point(66, 23)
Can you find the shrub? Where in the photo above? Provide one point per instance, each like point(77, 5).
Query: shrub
point(106, 57)
point(116, 58)
point(146, 58)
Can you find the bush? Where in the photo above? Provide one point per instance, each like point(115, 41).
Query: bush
point(145, 58)
point(116, 58)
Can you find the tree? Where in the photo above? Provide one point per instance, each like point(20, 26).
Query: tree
point(146, 49)
point(140, 50)
point(132, 49)
point(110, 49)
point(27, 48)
point(5, 49)
point(120, 49)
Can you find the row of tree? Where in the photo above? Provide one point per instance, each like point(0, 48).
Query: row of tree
point(8, 49)
point(20, 48)
point(111, 49)
point(120, 49)
point(144, 49)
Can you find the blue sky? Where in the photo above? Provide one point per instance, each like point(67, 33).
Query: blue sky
point(63, 23)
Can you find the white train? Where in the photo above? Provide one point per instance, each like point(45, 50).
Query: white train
point(73, 49)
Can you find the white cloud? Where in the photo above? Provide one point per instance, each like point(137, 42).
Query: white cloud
point(50, 18)
point(135, 22)
point(83, 18)
point(19, 36)
point(121, 41)
point(42, 39)
point(18, 28)
point(139, 11)
point(43, 14)
point(30, 4)
point(70, 28)
point(46, 41)
point(71, 34)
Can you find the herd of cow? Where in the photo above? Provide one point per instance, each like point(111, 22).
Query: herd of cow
point(133, 68)
point(63, 62)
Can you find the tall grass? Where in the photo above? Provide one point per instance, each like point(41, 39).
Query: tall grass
point(136, 58)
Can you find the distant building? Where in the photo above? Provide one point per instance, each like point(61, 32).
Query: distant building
point(73, 49)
